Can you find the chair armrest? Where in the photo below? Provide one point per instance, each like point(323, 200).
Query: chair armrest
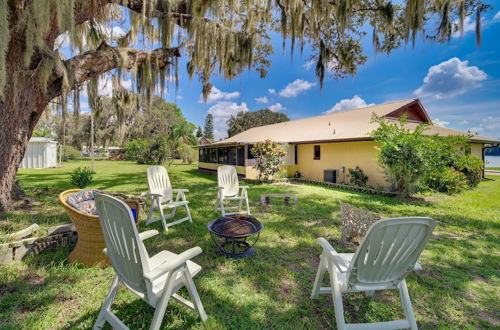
point(244, 187)
point(180, 190)
point(173, 263)
point(155, 195)
point(148, 234)
point(417, 267)
point(220, 188)
point(105, 251)
point(329, 251)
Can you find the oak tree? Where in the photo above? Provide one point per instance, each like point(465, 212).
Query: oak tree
point(221, 37)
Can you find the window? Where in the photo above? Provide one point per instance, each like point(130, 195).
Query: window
point(240, 156)
point(296, 153)
point(250, 156)
point(231, 159)
point(317, 152)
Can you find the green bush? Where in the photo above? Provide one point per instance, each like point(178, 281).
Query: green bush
point(81, 177)
point(358, 177)
point(70, 153)
point(155, 151)
point(472, 167)
point(448, 181)
point(134, 149)
point(268, 156)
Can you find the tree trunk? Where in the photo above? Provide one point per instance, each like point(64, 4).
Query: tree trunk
point(18, 117)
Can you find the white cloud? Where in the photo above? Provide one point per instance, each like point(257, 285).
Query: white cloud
point(262, 99)
point(348, 104)
point(296, 87)
point(218, 95)
point(463, 122)
point(221, 112)
point(496, 18)
point(276, 107)
point(451, 78)
point(489, 126)
point(271, 91)
point(308, 64)
point(439, 122)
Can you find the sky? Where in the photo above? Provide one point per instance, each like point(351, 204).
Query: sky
point(457, 82)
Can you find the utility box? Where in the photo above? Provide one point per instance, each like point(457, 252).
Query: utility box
point(330, 176)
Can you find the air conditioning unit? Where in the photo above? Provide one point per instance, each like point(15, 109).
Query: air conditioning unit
point(330, 176)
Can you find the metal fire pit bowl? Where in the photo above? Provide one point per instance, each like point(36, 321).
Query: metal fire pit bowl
point(235, 235)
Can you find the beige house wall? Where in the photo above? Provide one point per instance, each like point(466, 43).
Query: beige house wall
point(336, 155)
point(476, 149)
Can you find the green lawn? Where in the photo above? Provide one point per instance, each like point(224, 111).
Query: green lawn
point(493, 168)
point(458, 288)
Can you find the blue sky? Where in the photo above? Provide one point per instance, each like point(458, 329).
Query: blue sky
point(458, 83)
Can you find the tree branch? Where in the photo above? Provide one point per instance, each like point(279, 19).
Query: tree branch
point(105, 58)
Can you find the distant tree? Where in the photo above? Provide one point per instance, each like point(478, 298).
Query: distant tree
point(245, 120)
point(209, 127)
point(199, 132)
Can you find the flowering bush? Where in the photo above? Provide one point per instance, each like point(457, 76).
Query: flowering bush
point(269, 156)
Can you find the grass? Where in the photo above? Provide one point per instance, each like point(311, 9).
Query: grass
point(458, 288)
point(493, 168)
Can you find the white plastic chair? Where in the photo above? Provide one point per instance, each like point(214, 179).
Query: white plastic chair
point(388, 253)
point(161, 193)
point(154, 279)
point(229, 189)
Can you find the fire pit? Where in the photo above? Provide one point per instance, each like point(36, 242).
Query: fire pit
point(231, 234)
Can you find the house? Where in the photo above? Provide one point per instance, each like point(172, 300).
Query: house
point(40, 153)
point(323, 148)
point(204, 141)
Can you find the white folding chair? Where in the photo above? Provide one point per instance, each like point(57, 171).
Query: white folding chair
point(388, 253)
point(154, 279)
point(161, 193)
point(229, 189)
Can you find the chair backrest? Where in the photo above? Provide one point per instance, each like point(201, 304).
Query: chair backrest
point(227, 178)
point(389, 251)
point(159, 182)
point(125, 249)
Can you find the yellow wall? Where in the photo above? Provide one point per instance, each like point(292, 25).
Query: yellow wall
point(477, 150)
point(336, 155)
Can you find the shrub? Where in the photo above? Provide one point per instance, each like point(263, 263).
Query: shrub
point(81, 177)
point(70, 153)
point(471, 167)
point(135, 148)
point(448, 181)
point(155, 151)
point(358, 177)
point(268, 155)
point(403, 153)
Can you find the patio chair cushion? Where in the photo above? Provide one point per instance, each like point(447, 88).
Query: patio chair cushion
point(83, 201)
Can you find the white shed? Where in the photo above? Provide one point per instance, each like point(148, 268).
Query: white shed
point(40, 153)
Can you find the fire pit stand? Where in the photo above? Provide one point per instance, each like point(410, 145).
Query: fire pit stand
point(235, 235)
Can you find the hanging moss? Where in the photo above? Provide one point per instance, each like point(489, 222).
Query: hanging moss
point(225, 37)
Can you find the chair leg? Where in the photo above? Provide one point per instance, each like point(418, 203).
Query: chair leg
point(151, 210)
point(248, 204)
point(194, 295)
point(240, 204)
point(106, 307)
point(162, 303)
point(216, 203)
point(188, 213)
point(319, 277)
point(406, 304)
point(222, 206)
point(337, 298)
point(163, 221)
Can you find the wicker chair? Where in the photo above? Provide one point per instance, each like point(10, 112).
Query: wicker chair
point(90, 244)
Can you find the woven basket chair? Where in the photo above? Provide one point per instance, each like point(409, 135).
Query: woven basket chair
point(90, 244)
